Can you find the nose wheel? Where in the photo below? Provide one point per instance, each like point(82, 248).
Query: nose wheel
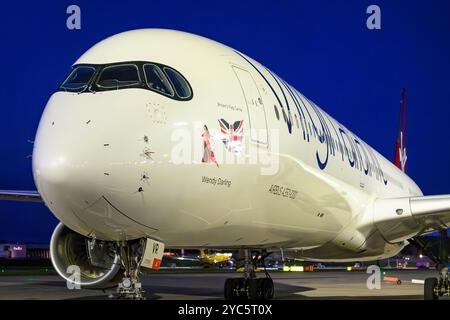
point(129, 289)
point(131, 253)
point(249, 287)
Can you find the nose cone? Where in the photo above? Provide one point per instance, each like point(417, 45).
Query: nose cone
point(51, 167)
point(58, 152)
point(64, 159)
point(58, 172)
point(81, 160)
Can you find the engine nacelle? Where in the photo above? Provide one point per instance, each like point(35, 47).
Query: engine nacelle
point(98, 262)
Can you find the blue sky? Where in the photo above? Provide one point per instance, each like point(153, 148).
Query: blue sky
point(321, 47)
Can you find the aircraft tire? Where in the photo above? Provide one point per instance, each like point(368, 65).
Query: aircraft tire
point(229, 289)
point(267, 288)
point(255, 289)
point(429, 289)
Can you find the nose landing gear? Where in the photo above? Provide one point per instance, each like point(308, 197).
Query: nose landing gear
point(250, 287)
point(130, 289)
point(131, 254)
point(436, 287)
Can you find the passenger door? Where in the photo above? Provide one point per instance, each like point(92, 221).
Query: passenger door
point(255, 106)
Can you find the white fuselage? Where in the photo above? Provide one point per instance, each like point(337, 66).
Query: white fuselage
point(125, 164)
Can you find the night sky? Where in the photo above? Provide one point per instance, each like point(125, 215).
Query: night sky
point(323, 48)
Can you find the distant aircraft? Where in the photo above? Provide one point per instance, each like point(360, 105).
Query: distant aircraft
point(168, 136)
point(214, 258)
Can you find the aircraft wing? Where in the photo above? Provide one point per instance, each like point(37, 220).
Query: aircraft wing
point(19, 195)
point(404, 218)
point(432, 211)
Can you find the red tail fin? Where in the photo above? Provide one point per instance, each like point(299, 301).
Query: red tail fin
point(401, 145)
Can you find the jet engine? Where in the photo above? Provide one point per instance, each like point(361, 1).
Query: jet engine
point(85, 262)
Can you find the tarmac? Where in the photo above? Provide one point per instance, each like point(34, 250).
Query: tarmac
point(209, 286)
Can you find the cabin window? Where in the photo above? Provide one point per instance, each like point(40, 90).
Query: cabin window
point(156, 80)
point(119, 76)
point(78, 78)
point(180, 84)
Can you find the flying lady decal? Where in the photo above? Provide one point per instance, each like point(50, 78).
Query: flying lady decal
point(208, 154)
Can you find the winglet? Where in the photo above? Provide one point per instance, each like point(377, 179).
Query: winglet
point(401, 156)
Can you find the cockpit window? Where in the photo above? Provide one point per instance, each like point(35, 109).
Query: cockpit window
point(145, 75)
point(180, 85)
point(78, 79)
point(119, 76)
point(156, 80)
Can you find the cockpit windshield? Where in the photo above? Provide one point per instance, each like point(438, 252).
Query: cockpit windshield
point(146, 75)
point(79, 78)
point(119, 76)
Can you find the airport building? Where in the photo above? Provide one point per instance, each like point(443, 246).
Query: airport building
point(31, 251)
point(13, 251)
point(38, 251)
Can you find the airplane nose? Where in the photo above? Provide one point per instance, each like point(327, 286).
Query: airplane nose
point(70, 179)
point(78, 167)
point(68, 168)
point(60, 173)
point(52, 170)
point(64, 155)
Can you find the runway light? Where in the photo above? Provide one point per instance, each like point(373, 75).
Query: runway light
point(297, 268)
point(418, 281)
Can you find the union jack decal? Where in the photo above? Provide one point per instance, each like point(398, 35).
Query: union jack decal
point(232, 135)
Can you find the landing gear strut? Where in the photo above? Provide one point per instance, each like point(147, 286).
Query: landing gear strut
point(131, 254)
point(437, 287)
point(250, 287)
